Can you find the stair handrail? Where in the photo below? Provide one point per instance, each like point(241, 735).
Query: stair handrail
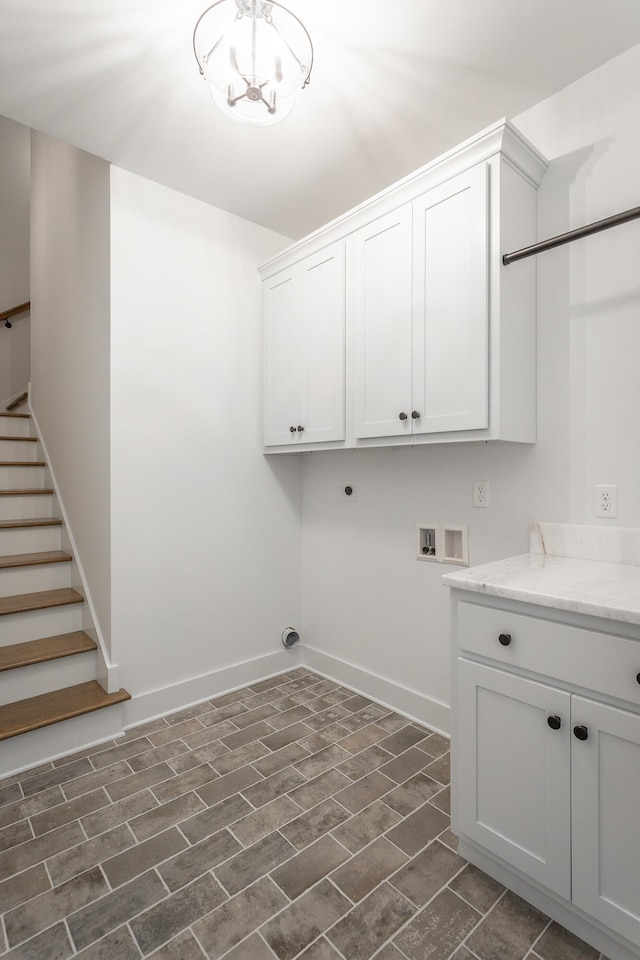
point(14, 311)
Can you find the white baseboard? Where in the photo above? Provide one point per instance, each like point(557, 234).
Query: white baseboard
point(410, 703)
point(179, 696)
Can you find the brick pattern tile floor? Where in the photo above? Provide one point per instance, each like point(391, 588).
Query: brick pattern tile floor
point(291, 819)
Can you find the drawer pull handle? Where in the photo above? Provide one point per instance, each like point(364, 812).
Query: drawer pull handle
point(554, 722)
point(581, 732)
point(505, 639)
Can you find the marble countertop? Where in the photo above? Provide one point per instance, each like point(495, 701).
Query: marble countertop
point(586, 569)
point(595, 587)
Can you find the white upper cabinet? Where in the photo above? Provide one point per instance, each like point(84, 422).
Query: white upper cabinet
point(451, 305)
point(438, 336)
point(381, 317)
point(304, 348)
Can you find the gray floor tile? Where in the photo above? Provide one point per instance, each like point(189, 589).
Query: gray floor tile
point(427, 873)
point(138, 859)
point(370, 823)
point(41, 848)
point(229, 924)
point(304, 920)
point(118, 945)
point(305, 869)
point(314, 823)
point(89, 854)
point(23, 886)
point(183, 947)
point(476, 888)
point(371, 923)
point(198, 859)
point(248, 866)
point(54, 944)
point(367, 869)
point(164, 920)
point(508, 931)
point(290, 820)
point(438, 929)
point(556, 943)
point(43, 911)
point(263, 821)
point(111, 911)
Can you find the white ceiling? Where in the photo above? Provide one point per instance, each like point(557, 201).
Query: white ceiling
point(394, 84)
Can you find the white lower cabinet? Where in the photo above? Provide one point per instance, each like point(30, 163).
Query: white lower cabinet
point(546, 779)
point(514, 772)
point(606, 816)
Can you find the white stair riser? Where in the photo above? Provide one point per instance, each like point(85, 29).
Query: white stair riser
point(21, 478)
point(25, 507)
point(36, 624)
point(43, 576)
point(29, 539)
point(14, 427)
point(32, 749)
point(18, 449)
point(46, 677)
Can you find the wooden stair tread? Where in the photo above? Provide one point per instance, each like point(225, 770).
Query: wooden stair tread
point(40, 491)
point(36, 712)
point(22, 463)
point(48, 648)
point(20, 603)
point(32, 522)
point(17, 416)
point(34, 559)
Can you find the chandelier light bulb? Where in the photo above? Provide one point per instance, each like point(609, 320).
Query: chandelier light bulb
point(256, 57)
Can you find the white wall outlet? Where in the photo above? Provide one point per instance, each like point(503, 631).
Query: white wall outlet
point(481, 493)
point(349, 490)
point(606, 503)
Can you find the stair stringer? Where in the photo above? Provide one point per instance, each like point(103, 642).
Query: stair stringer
point(107, 673)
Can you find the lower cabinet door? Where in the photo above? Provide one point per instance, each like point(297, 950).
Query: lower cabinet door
point(512, 771)
point(606, 815)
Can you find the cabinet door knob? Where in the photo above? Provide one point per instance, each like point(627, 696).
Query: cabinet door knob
point(415, 415)
point(638, 677)
point(581, 732)
point(505, 639)
point(554, 722)
point(300, 429)
point(402, 416)
point(292, 429)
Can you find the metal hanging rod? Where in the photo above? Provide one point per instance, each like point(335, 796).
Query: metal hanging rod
point(562, 238)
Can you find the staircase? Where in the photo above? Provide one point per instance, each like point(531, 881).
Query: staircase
point(50, 701)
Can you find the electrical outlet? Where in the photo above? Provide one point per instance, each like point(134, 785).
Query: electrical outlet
point(481, 493)
point(606, 502)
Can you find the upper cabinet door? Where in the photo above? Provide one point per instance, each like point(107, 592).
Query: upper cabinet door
point(281, 358)
point(381, 307)
point(322, 346)
point(451, 309)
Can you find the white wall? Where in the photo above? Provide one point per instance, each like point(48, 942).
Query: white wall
point(366, 600)
point(70, 344)
point(14, 255)
point(205, 530)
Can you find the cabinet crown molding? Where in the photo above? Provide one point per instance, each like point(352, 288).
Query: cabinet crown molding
point(501, 137)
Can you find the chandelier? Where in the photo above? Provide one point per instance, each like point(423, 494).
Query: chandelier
point(256, 56)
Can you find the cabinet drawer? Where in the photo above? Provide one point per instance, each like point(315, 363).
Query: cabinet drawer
point(585, 658)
